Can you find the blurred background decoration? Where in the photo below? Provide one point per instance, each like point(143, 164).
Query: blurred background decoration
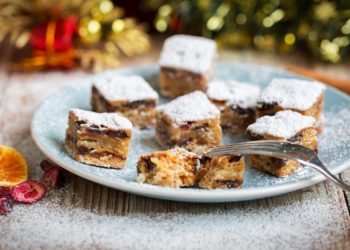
point(96, 33)
point(92, 34)
point(318, 27)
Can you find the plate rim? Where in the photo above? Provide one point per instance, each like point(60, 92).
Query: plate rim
point(193, 195)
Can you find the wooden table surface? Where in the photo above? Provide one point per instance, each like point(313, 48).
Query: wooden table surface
point(88, 215)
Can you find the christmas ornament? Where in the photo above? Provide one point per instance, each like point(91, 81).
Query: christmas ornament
point(92, 34)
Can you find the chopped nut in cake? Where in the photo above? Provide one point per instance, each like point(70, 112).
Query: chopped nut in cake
point(189, 121)
point(305, 97)
point(130, 96)
point(100, 139)
point(221, 172)
point(285, 125)
point(171, 168)
point(186, 64)
point(236, 101)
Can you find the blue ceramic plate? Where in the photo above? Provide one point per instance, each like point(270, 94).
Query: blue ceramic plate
point(49, 123)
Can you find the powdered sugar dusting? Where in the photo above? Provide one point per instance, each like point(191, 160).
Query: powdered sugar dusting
point(335, 140)
point(53, 226)
point(191, 53)
point(110, 120)
point(191, 107)
point(234, 93)
point(182, 153)
point(125, 88)
point(292, 93)
point(283, 124)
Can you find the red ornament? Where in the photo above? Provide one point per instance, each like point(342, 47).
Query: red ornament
point(55, 36)
point(176, 23)
point(52, 43)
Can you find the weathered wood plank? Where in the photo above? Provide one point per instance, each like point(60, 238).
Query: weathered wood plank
point(345, 176)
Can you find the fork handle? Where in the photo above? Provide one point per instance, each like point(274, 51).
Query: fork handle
point(318, 165)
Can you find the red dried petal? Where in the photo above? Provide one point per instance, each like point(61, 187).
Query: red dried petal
point(28, 192)
point(53, 177)
point(5, 205)
point(5, 192)
point(46, 164)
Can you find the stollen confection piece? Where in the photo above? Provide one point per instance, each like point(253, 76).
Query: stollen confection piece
point(236, 101)
point(285, 126)
point(100, 139)
point(221, 172)
point(189, 121)
point(171, 168)
point(186, 64)
point(130, 96)
point(305, 97)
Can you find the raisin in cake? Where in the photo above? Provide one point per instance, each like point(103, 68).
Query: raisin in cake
point(189, 121)
point(130, 96)
point(171, 168)
point(285, 125)
point(186, 64)
point(100, 139)
point(236, 101)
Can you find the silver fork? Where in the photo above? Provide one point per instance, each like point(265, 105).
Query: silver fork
point(280, 149)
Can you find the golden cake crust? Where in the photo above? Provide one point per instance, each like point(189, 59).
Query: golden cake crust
point(141, 113)
point(279, 167)
point(283, 126)
point(176, 82)
point(186, 64)
point(234, 120)
point(130, 96)
point(315, 110)
point(302, 96)
point(189, 121)
point(91, 139)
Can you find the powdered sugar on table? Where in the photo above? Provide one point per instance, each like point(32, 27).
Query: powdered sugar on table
point(283, 124)
point(234, 93)
point(109, 120)
point(191, 107)
point(292, 93)
point(48, 225)
point(125, 88)
point(195, 54)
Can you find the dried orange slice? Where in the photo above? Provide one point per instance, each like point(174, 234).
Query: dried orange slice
point(13, 167)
